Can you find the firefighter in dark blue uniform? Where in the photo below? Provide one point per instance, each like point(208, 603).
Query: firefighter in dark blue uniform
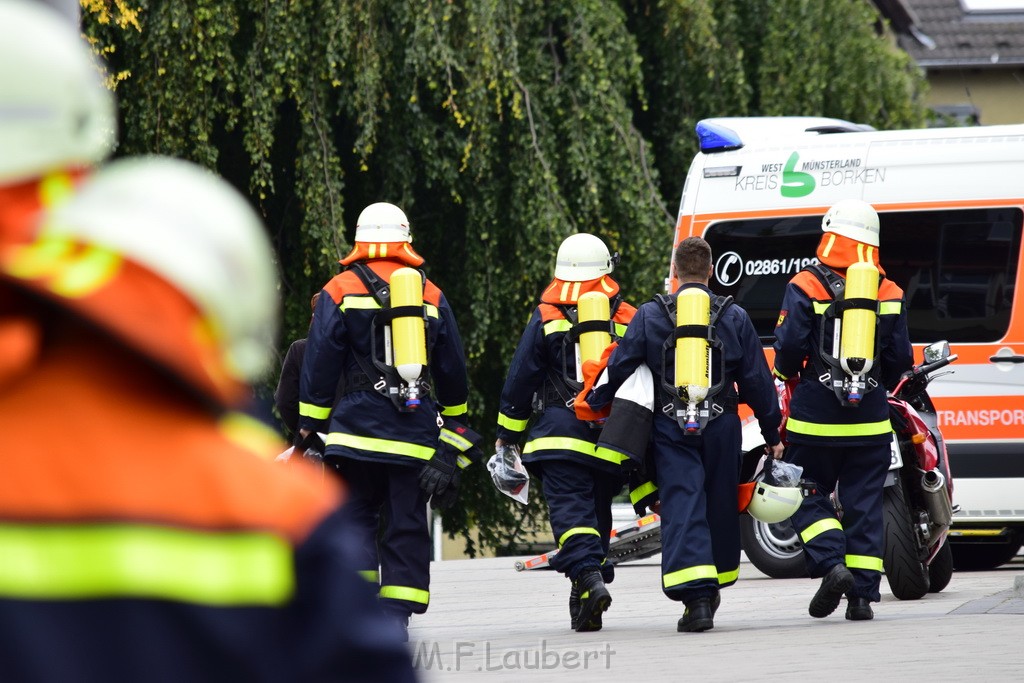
point(697, 475)
point(158, 541)
point(381, 445)
point(834, 442)
point(579, 480)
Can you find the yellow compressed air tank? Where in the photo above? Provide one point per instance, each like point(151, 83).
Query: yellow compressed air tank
point(857, 335)
point(593, 306)
point(693, 307)
point(408, 332)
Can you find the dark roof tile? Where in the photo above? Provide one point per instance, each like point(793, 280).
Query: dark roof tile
point(964, 39)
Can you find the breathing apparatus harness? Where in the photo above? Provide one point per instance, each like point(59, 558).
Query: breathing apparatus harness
point(388, 382)
point(825, 362)
point(718, 400)
point(561, 385)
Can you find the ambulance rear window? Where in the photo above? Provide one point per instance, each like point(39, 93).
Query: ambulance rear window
point(957, 267)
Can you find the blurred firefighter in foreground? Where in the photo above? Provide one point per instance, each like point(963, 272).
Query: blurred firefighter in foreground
point(56, 117)
point(388, 335)
point(579, 479)
point(145, 533)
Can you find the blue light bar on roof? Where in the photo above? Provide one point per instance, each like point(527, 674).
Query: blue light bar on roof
point(714, 137)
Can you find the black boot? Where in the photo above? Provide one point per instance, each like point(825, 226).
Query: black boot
point(698, 616)
point(834, 584)
point(574, 605)
point(859, 609)
point(594, 600)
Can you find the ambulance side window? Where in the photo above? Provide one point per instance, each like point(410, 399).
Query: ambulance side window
point(754, 259)
point(957, 268)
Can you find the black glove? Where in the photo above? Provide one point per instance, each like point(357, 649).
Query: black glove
point(311, 447)
point(439, 478)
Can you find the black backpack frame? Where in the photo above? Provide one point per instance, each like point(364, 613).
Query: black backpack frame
point(826, 364)
point(710, 408)
point(388, 382)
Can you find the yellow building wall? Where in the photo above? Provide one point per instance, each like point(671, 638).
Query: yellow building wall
point(997, 94)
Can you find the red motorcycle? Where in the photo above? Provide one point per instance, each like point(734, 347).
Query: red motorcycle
point(918, 498)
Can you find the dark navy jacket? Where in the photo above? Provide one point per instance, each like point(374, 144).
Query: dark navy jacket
point(363, 423)
point(816, 415)
point(556, 433)
point(745, 366)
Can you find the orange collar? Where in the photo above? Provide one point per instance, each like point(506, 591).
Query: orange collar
point(395, 251)
point(838, 252)
point(568, 291)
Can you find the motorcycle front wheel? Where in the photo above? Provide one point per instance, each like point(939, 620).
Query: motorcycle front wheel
point(906, 573)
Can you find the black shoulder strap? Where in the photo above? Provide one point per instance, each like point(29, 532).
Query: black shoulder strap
point(570, 313)
point(835, 285)
point(381, 291)
point(374, 284)
point(719, 305)
point(668, 305)
point(613, 306)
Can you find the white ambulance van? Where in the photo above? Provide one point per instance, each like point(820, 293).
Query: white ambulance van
point(951, 205)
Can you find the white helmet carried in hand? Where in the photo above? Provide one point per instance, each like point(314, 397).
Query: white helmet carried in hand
point(382, 222)
point(170, 259)
point(852, 218)
point(582, 257)
point(773, 504)
point(55, 111)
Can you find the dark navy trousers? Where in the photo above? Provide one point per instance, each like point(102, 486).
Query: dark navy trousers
point(579, 502)
point(697, 484)
point(857, 541)
point(390, 495)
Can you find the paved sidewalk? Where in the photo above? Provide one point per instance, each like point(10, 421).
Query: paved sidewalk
point(489, 622)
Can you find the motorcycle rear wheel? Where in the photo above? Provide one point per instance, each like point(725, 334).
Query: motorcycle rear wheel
point(940, 571)
point(906, 573)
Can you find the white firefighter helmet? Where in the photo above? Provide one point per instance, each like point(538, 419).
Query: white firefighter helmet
point(382, 222)
point(852, 218)
point(55, 111)
point(194, 231)
point(772, 504)
point(582, 257)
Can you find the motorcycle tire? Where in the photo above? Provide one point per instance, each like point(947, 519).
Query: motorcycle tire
point(906, 573)
point(775, 549)
point(940, 571)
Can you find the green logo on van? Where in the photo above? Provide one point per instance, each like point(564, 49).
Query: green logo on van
point(796, 183)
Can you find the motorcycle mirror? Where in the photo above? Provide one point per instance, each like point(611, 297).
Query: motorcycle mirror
point(936, 351)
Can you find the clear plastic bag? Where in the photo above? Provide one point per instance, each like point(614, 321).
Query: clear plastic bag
point(509, 474)
point(784, 474)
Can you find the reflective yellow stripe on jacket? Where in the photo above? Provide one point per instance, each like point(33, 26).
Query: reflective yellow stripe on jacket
point(369, 443)
point(566, 443)
point(822, 429)
point(218, 568)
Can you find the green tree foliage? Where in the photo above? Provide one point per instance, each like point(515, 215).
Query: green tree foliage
point(499, 126)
